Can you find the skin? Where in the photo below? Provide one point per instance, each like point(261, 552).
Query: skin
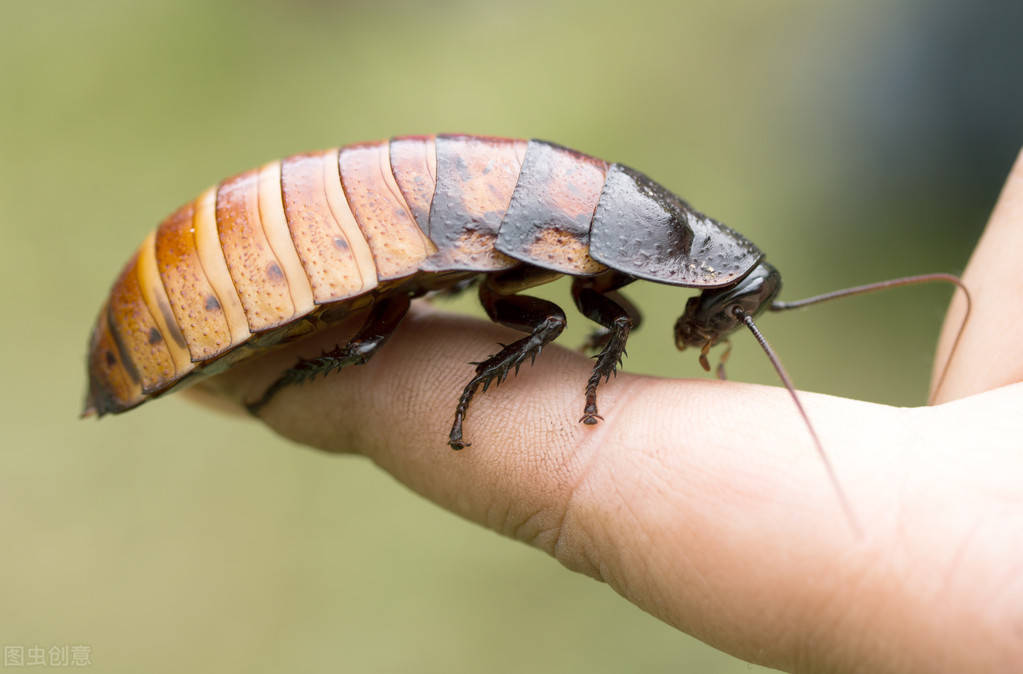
point(684, 505)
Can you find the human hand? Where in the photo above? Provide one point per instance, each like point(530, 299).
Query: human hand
point(685, 507)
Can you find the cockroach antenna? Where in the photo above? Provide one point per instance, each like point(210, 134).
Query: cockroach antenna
point(784, 376)
point(745, 318)
point(894, 283)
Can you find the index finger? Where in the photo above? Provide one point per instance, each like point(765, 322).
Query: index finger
point(666, 500)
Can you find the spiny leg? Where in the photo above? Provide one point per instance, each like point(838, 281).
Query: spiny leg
point(542, 319)
point(607, 283)
point(383, 318)
point(598, 339)
point(596, 299)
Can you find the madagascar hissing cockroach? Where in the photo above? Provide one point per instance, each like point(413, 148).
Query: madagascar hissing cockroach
point(280, 251)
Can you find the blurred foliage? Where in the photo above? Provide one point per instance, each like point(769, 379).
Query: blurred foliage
point(851, 141)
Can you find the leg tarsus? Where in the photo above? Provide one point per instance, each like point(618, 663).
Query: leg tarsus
point(608, 361)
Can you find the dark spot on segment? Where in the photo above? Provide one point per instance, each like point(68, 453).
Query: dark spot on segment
point(274, 271)
point(122, 351)
point(212, 303)
point(154, 336)
point(340, 243)
point(172, 325)
point(111, 359)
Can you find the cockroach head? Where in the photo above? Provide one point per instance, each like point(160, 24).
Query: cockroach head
point(711, 315)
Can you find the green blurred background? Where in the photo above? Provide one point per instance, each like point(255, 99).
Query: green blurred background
point(851, 141)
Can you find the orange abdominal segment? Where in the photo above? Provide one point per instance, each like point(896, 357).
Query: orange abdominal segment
point(397, 243)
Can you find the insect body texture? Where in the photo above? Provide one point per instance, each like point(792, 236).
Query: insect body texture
point(280, 251)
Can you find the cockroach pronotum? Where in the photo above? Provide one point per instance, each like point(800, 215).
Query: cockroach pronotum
point(280, 251)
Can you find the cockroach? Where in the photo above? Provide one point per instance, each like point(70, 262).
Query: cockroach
point(278, 252)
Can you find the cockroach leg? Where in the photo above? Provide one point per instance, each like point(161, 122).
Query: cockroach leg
point(618, 316)
point(598, 339)
point(724, 359)
point(607, 364)
point(542, 319)
point(383, 318)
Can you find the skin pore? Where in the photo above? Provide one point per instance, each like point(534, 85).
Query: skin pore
point(683, 504)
